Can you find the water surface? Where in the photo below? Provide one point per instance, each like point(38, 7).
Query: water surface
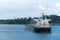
point(18, 32)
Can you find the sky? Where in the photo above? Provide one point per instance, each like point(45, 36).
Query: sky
point(10, 9)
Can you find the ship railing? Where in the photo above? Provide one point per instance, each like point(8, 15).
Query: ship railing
point(37, 25)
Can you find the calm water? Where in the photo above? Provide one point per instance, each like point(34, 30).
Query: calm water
point(18, 32)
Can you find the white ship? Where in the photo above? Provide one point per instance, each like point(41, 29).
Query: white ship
point(41, 25)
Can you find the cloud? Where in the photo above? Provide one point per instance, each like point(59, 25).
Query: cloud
point(26, 1)
point(57, 5)
point(27, 8)
point(41, 7)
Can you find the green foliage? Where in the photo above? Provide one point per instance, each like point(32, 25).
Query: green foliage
point(54, 19)
point(16, 21)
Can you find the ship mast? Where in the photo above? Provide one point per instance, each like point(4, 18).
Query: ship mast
point(43, 16)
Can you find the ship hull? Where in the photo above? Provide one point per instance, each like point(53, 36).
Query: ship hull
point(42, 30)
point(39, 30)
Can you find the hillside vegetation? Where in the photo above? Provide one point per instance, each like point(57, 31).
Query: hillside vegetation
point(54, 19)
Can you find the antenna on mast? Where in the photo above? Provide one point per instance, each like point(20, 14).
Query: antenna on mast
point(43, 16)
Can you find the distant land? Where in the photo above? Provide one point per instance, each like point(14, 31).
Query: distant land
point(54, 20)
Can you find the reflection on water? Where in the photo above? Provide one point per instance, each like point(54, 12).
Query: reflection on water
point(18, 32)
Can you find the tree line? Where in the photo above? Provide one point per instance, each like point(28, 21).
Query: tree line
point(54, 19)
point(16, 21)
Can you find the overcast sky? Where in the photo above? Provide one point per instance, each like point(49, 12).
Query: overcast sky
point(28, 8)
